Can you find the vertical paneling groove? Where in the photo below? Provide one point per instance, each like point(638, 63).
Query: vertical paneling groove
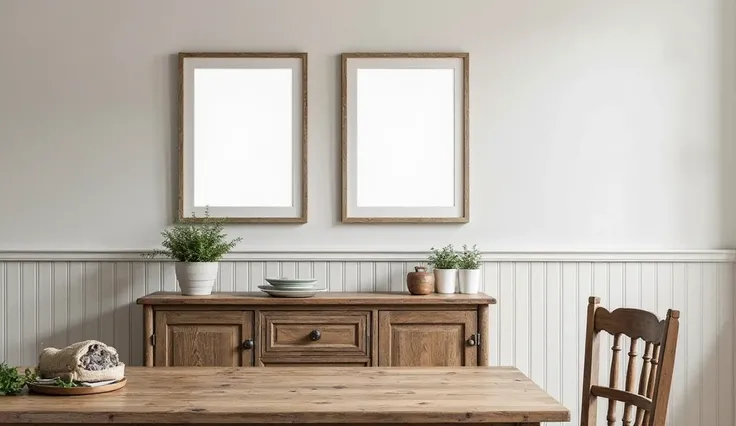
point(506, 313)
point(584, 290)
point(491, 278)
point(121, 317)
point(521, 324)
point(138, 289)
point(37, 306)
point(569, 342)
point(107, 298)
point(13, 335)
point(242, 278)
point(693, 347)
point(553, 301)
point(546, 322)
point(575, 307)
point(514, 320)
point(45, 303)
point(709, 344)
point(27, 324)
point(60, 284)
point(3, 312)
point(227, 276)
point(537, 326)
point(561, 327)
point(724, 335)
point(679, 392)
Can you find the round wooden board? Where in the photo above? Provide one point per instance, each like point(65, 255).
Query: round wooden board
point(80, 390)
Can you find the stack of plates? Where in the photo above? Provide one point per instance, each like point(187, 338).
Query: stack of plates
point(291, 287)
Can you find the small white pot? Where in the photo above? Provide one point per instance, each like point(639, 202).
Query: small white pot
point(469, 280)
point(445, 281)
point(196, 278)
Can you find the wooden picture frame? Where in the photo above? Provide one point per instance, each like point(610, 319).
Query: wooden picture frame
point(228, 177)
point(408, 94)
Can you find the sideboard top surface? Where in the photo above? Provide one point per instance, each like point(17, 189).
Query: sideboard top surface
point(328, 298)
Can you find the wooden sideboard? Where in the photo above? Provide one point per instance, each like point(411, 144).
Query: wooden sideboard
point(330, 329)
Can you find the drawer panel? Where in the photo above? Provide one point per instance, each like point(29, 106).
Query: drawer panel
point(314, 332)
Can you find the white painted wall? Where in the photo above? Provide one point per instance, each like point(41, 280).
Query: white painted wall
point(593, 124)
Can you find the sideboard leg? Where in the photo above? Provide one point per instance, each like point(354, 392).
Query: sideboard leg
point(485, 336)
point(147, 334)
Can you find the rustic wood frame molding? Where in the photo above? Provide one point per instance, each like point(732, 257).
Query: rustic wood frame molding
point(297, 213)
point(461, 212)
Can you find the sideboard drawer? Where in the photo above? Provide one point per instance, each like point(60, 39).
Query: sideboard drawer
point(314, 333)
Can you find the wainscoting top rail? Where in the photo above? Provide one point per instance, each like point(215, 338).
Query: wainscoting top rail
point(347, 255)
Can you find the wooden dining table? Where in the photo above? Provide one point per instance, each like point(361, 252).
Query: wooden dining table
point(306, 395)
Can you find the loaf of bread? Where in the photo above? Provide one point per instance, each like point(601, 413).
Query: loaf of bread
point(87, 361)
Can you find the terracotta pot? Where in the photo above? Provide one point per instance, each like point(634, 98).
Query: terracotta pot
point(420, 282)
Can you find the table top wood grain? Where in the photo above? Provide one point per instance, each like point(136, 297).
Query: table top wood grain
point(501, 395)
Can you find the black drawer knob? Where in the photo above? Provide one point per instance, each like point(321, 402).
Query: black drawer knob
point(248, 344)
point(315, 335)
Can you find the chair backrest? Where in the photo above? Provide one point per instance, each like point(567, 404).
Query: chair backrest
point(645, 403)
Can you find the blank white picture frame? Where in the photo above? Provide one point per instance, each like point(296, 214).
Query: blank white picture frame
point(405, 146)
point(243, 137)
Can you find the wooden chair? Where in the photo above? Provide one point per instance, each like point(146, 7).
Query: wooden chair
point(651, 396)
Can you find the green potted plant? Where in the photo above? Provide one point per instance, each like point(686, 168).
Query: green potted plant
point(444, 262)
point(469, 269)
point(197, 249)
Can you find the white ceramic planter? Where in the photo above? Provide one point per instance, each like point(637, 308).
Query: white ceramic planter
point(196, 278)
point(445, 281)
point(469, 280)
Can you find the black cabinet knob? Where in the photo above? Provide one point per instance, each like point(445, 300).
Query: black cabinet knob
point(471, 341)
point(248, 344)
point(315, 335)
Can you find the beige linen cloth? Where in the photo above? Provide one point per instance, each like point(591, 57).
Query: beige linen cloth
point(65, 363)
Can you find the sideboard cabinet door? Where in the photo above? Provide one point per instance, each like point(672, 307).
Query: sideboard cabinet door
point(427, 338)
point(204, 338)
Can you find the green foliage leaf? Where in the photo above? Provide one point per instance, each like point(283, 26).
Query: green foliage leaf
point(11, 381)
point(444, 258)
point(205, 242)
point(62, 384)
point(470, 258)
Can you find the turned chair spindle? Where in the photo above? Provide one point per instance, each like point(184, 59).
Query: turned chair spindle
point(645, 400)
point(613, 381)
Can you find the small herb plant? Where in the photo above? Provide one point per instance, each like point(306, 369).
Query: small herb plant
point(62, 384)
point(444, 258)
point(469, 258)
point(205, 242)
point(11, 381)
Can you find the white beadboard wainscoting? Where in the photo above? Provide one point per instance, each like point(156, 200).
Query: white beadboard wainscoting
point(53, 299)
